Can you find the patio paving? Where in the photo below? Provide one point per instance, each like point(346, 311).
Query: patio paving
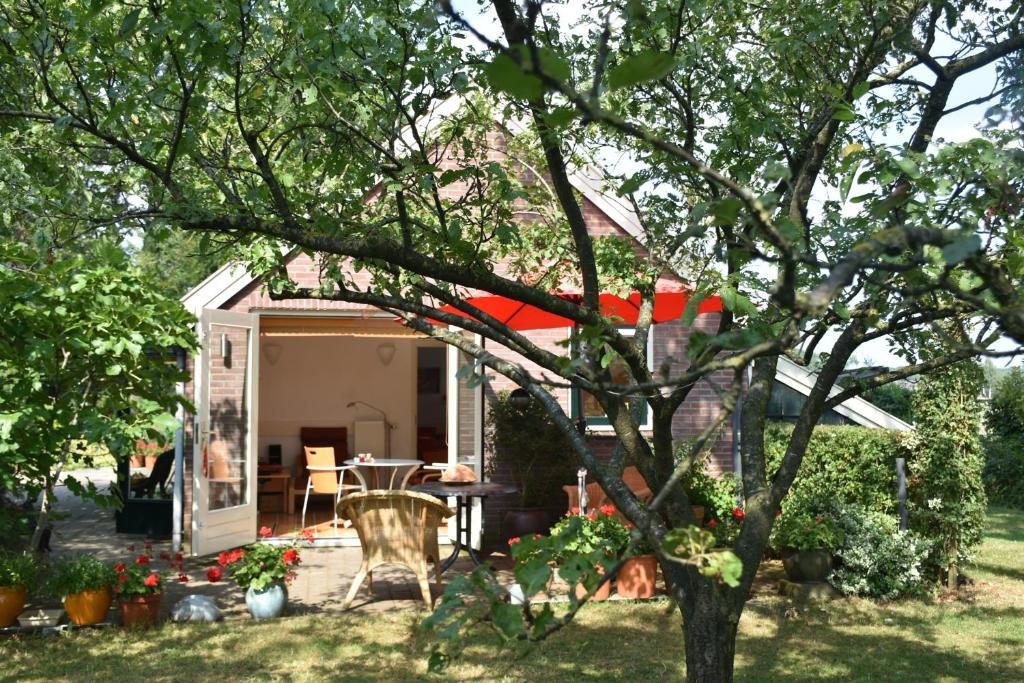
point(320, 586)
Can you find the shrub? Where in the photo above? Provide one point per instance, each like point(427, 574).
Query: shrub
point(530, 449)
point(946, 496)
point(1004, 470)
point(1004, 442)
point(877, 560)
point(717, 495)
point(842, 463)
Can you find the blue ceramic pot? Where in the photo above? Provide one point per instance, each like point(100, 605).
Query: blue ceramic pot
point(267, 603)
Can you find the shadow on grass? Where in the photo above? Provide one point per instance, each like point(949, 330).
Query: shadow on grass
point(859, 647)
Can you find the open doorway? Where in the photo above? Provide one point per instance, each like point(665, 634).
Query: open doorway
point(431, 404)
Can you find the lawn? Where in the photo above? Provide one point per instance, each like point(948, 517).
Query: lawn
point(977, 638)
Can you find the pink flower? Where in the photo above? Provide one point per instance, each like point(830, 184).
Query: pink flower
point(214, 574)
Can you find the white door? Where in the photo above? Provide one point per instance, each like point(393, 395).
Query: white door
point(224, 453)
point(465, 427)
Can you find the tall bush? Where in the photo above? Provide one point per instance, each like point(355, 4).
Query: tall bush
point(947, 499)
point(1004, 442)
point(843, 463)
point(530, 449)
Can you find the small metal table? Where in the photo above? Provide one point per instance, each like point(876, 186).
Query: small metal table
point(463, 495)
point(375, 466)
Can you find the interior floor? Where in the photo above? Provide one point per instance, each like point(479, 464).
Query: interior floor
point(319, 518)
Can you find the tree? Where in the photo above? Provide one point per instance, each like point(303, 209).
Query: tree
point(84, 359)
point(784, 156)
point(894, 399)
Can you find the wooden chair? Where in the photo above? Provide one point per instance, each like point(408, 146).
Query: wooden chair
point(224, 482)
point(317, 437)
point(325, 479)
point(596, 495)
point(395, 527)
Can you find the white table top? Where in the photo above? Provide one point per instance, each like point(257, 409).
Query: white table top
point(385, 462)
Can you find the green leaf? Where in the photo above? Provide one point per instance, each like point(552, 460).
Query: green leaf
point(129, 23)
point(113, 370)
point(860, 90)
point(506, 75)
point(844, 114)
point(508, 618)
point(640, 68)
point(909, 166)
point(961, 249)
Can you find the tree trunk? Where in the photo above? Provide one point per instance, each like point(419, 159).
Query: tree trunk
point(709, 627)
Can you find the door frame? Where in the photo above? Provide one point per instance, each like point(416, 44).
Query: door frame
point(216, 530)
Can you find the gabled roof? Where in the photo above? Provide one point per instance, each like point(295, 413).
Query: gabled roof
point(856, 409)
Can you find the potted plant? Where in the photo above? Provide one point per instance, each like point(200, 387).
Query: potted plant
point(18, 573)
point(140, 587)
point(806, 543)
point(84, 584)
point(590, 543)
point(263, 570)
point(725, 528)
point(531, 452)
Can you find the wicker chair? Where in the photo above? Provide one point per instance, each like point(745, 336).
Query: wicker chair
point(395, 527)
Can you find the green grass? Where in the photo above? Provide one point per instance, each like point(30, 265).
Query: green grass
point(977, 638)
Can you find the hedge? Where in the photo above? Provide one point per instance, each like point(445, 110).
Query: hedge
point(845, 464)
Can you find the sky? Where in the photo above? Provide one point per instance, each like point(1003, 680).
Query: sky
point(957, 127)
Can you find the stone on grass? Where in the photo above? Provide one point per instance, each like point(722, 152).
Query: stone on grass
point(196, 608)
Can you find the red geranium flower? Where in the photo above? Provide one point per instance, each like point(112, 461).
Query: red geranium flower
point(182, 578)
point(738, 514)
point(214, 574)
point(179, 558)
point(310, 536)
point(222, 559)
point(712, 523)
point(122, 578)
point(266, 532)
point(591, 515)
point(290, 556)
point(165, 556)
point(153, 580)
point(778, 513)
point(536, 537)
point(607, 509)
point(142, 559)
point(119, 568)
point(575, 509)
point(514, 540)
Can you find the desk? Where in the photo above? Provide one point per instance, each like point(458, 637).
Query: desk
point(376, 466)
point(277, 482)
point(463, 494)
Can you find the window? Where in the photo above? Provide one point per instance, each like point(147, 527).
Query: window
point(591, 409)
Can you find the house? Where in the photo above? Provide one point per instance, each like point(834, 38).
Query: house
point(267, 369)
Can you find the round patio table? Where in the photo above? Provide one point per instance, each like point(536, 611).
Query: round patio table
point(463, 495)
point(395, 464)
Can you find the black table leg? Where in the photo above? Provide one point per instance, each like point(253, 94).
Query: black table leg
point(458, 538)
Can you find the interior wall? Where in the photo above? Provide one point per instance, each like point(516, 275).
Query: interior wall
point(314, 379)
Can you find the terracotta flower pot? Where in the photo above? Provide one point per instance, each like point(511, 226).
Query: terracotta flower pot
point(137, 461)
point(698, 513)
point(150, 461)
point(602, 593)
point(12, 602)
point(637, 577)
point(140, 610)
point(88, 607)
